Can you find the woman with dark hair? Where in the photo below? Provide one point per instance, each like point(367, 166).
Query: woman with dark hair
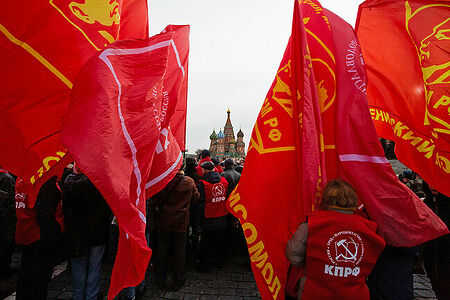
point(336, 247)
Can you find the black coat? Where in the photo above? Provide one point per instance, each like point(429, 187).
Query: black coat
point(47, 201)
point(86, 215)
point(232, 177)
point(7, 208)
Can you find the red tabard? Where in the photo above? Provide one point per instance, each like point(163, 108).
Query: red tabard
point(199, 168)
point(27, 228)
point(341, 252)
point(215, 196)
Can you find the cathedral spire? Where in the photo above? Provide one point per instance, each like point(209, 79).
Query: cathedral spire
point(228, 122)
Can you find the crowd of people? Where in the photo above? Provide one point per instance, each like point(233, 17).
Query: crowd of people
point(188, 225)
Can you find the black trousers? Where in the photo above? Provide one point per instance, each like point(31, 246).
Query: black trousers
point(6, 252)
point(35, 272)
point(171, 246)
point(213, 249)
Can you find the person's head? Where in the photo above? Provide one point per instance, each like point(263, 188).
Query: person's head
point(229, 163)
point(190, 164)
point(207, 167)
point(408, 174)
point(205, 154)
point(215, 161)
point(339, 194)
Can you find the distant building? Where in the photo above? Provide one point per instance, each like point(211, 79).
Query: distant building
point(224, 144)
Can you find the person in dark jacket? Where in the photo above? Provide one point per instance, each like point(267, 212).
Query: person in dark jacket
point(87, 218)
point(392, 276)
point(212, 216)
point(235, 235)
point(174, 202)
point(7, 221)
point(230, 175)
point(190, 169)
point(437, 252)
point(38, 229)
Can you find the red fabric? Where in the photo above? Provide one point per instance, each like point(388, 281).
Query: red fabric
point(198, 168)
point(285, 147)
point(218, 169)
point(341, 251)
point(125, 144)
point(293, 279)
point(315, 125)
point(360, 158)
point(53, 39)
point(215, 196)
point(408, 91)
point(27, 228)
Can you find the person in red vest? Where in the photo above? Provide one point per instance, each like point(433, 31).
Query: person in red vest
point(205, 156)
point(218, 167)
point(39, 230)
point(337, 247)
point(212, 217)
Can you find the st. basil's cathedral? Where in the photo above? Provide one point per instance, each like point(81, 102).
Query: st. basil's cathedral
point(224, 144)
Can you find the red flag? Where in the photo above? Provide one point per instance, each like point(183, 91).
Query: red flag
point(315, 124)
point(43, 45)
point(122, 144)
point(405, 46)
point(361, 159)
point(285, 146)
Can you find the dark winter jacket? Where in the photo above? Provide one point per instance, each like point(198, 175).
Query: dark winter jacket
point(232, 177)
point(7, 208)
point(86, 215)
point(208, 224)
point(47, 201)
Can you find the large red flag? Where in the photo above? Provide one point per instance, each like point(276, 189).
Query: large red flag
point(406, 48)
point(315, 124)
point(119, 132)
point(361, 159)
point(43, 45)
point(285, 147)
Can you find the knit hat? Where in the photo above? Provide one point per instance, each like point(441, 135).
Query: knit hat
point(206, 153)
point(215, 161)
point(229, 162)
point(207, 165)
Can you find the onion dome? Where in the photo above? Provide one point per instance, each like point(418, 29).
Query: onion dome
point(240, 134)
point(213, 135)
point(220, 135)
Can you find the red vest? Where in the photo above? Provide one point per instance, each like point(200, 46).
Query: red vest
point(27, 228)
point(341, 251)
point(218, 169)
point(215, 196)
point(198, 168)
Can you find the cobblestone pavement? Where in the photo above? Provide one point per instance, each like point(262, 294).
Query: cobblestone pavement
point(235, 281)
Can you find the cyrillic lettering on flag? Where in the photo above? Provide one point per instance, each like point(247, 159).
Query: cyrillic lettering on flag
point(409, 90)
point(122, 144)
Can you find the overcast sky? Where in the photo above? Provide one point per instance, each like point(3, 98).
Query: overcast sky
point(235, 49)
